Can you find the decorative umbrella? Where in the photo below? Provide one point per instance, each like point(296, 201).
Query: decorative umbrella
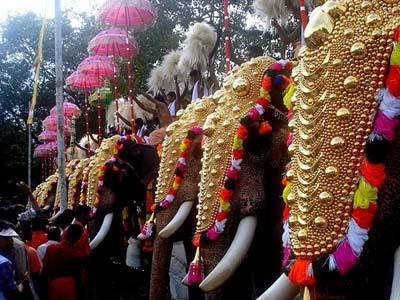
point(48, 136)
point(99, 66)
point(85, 82)
point(50, 123)
point(106, 97)
point(114, 42)
point(70, 110)
point(45, 150)
point(136, 15)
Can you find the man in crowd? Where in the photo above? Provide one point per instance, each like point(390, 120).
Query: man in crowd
point(8, 286)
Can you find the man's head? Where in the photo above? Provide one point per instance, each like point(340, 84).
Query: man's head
point(7, 232)
point(39, 223)
point(194, 76)
point(74, 233)
point(65, 218)
point(82, 214)
point(171, 97)
point(54, 233)
point(255, 51)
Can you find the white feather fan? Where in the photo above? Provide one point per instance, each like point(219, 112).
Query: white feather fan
point(85, 140)
point(157, 81)
point(170, 66)
point(199, 43)
point(277, 9)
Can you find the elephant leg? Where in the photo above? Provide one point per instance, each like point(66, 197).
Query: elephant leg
point(159, 282)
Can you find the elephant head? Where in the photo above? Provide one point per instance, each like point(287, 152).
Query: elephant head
point(175, 203)
point(119, 181)
point(245, 142)
point(346, 109)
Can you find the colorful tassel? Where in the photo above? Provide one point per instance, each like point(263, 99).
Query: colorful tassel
point(148, 229)
point(196, 269)
point(300, 273)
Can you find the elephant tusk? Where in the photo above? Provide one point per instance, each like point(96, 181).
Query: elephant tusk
point(395, 294)
point(177, 221)
point(282, 289)
point(54, 218)
point(104, 229)
point(233, 257)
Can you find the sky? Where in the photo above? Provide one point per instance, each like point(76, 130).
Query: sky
point(12, 7)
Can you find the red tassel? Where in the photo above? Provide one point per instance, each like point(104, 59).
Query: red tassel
point(265, 128)
point(299, 273)
point(196, 270)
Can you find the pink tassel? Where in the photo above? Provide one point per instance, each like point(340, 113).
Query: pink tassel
point(385, 126)
point(196, 270)
point(147, 230)
point(286, 256)
point(345, 257)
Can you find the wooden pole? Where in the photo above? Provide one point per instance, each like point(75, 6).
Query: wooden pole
point(61, 183)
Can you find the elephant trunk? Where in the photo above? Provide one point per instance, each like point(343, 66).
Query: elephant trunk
point(233, 257)
point(178, 220)
point(395, 294)
point(104, 229)
point(282, 289)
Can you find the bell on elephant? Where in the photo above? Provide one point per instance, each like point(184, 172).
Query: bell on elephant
point(245, 160)
point(339, 180)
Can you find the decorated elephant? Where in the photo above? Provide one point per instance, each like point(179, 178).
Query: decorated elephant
point(243, 159)
point(342, 215)
point(117, 183)
point(176, 193)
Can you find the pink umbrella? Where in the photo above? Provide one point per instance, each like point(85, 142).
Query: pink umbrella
point(45, 150)
point(48, 136)
point(70, 110)
point(98, 66)
point(133, 14)
point(85, 83)
point(112, 42)
point(50, 123)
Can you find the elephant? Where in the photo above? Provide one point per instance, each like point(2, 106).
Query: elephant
point(176, 222)
point(246, 133)
point(118, 179)
point(341, 230)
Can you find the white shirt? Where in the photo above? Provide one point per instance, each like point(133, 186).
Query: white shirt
point(172, 108)
point(195, 94)
point(41, 250)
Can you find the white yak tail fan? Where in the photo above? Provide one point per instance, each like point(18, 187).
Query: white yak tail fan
point(200, 42)
point(170, 66)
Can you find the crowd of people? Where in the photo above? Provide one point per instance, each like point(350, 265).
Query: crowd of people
point(41, 259)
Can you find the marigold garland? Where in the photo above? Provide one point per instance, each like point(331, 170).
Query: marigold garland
point(184, 148)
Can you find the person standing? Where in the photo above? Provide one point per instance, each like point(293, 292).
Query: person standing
point(8, 286)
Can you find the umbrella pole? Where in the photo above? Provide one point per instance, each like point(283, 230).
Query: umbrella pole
point(87, 123)
point(116, 95)
point(303, 17)
point(99, 115)
point(29, 156)
point(227, 36)
point(130, 81)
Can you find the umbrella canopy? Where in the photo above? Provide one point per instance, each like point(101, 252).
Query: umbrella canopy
point(82, 81)
point(48, 136)
point(104, 96)
point(113, 42)
point(136, 15)
point(50, 123)
point(96, 65)
point(70, 110)
point(45, 150)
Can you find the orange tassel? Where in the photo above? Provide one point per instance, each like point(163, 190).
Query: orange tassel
point(265, 128)
point(299, 273)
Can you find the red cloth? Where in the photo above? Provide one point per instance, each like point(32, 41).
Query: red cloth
point(35, 264)
point(38, 238)
point(63, 288)
point(82, 247)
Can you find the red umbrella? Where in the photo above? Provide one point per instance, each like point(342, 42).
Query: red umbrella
point(112, 42)
point(48, 136)
point(136, 15)
point(85, 83)
point(70, 110)
point(99, 66)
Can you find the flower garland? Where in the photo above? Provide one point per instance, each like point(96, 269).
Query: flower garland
point(118, 146)
point(365, 200)
point(184, 148)
point(273, 77)
point(84, 186)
